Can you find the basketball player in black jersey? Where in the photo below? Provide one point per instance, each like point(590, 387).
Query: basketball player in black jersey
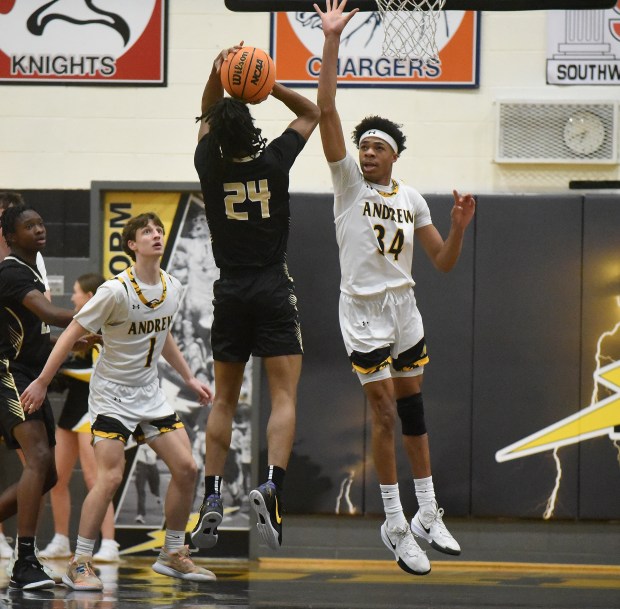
point(24, 347)
point(244, 184)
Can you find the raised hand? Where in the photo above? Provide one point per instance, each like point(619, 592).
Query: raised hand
point(222, 55)
point(334, 19)
point(463, 210)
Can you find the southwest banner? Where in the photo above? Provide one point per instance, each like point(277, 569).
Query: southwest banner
point(83, 42)
point(583, 47)
point(297, 43)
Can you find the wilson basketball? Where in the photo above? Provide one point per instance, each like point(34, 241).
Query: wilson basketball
point(249, 74)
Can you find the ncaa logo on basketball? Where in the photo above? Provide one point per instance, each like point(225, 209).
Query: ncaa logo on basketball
point(82, 41)
point(258, 70)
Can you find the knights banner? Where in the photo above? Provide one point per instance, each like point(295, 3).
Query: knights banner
point(583, 47)
point(80, 42)
point(297, 46)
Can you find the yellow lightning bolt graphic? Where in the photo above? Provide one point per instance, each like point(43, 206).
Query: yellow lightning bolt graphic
point(158, 538)
point(601, 418)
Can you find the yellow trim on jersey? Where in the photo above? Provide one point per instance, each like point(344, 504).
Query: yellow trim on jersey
point(152, 304)
point(8, 381)
point(388, 194)
point(17, 340)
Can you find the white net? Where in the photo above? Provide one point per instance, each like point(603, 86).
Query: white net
point(409, 27)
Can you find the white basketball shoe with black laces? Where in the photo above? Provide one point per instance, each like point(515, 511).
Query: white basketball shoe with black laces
point(429, 526)
point(409, 556)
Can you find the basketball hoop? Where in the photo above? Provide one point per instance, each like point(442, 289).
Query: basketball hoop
point(409, 27)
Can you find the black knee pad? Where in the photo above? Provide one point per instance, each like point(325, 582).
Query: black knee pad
point(411, 413)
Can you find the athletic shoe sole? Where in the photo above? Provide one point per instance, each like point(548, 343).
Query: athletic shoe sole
point(70, 584)
point(204, 535)
point(191, 577)
point(40, 585)
point(419, 531)
point(265, 529)
point(399, 561)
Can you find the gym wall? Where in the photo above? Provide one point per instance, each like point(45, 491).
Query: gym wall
point(513, 333)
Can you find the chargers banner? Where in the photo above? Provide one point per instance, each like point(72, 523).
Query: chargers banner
point(83, 42)
point(297, 44)
point(583, 47)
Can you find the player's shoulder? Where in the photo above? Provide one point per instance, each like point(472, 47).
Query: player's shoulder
point(172, 280)
point(412, 192)
point(14, 270)
point(116, 287)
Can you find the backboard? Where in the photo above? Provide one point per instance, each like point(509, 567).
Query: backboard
point(457, 5)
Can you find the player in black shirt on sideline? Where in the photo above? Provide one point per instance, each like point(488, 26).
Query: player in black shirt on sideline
point(244, 184)
point(24, 347)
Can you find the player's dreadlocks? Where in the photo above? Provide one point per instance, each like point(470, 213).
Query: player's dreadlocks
point(232, 130)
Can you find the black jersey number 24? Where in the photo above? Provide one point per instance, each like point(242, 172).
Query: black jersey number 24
point(237, 192)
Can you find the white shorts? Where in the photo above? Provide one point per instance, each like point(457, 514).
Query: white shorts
point(132, 407)
point(388, 320)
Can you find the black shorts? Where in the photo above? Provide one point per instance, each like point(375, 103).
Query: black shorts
point(255, 313)
point(76, 405)
point(13, 381)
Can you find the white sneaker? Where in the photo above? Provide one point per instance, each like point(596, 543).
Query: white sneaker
point(6, 551)
point(409, 556)
point(108, 552)
point(57, 548)
point(430, 526)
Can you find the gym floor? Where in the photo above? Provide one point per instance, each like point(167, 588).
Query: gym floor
point(340, 563)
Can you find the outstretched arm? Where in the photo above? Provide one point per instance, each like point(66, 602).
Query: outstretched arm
point(41, 306)
point(307, 112)
point(334, 21)
point(214, 91)
point(444, 254)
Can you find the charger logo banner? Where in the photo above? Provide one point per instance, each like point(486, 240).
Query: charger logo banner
point(583, 47)
point(297, 46)
point(82, 41)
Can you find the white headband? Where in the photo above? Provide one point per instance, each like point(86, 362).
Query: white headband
point(382, 135)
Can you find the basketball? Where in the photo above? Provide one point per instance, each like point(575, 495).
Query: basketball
point(249, 74)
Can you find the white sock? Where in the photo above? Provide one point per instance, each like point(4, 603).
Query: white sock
point(175, 540)
point(392, 506)
point(425, 494)
point(84, 547)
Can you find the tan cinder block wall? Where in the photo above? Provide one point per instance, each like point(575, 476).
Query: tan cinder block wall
point(67, 137)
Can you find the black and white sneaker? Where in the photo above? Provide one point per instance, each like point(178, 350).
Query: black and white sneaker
point(265, 502)
point(28, 574)
point(430, 527)
point(409, 556)
point(211, 514)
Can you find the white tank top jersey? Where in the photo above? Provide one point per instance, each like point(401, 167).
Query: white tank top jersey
point(133, 332)
point(374, 230)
